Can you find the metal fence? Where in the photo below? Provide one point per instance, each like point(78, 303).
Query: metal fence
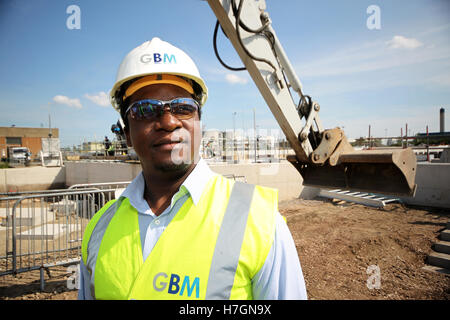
point(101, 185)
point(45, 229)
point(118, 186)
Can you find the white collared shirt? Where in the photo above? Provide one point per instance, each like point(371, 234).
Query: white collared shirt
point(280, 277)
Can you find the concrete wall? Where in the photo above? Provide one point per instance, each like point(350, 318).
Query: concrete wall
point(433, 185)
point(433, 179)
point(32, 178)
point(282, 176)
point(96, 172)
point(445, 156)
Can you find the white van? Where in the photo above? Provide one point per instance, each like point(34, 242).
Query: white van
point(19, 154)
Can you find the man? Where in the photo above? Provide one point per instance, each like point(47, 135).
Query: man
point(180, 231)
point(107, 144)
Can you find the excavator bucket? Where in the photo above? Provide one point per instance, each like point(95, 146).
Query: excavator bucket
point(376, 171)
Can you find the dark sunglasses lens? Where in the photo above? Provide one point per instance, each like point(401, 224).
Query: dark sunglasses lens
point(144, 110)
point(183, 111)
point(184, 108)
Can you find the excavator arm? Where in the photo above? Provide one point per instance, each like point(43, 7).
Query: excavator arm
point(323, 157)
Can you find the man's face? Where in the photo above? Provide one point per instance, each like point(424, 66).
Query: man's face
point(165, 143)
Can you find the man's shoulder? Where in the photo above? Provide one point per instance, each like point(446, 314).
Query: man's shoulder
point(105, 207)
point(91, 226)
point(96, 217)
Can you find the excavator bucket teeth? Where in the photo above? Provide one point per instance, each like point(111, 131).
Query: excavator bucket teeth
point(377, 171)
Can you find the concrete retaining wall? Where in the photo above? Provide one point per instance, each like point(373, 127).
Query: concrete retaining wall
point(433, 179)
point(281, 176)
point(96, 172)
point(433, 185)
point(32, 178)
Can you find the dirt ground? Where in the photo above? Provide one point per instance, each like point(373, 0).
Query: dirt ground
point(338, 243)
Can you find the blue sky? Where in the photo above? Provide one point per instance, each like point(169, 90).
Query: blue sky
point(384, 78)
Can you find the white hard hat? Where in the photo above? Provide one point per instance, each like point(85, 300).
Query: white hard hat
point(157, 57)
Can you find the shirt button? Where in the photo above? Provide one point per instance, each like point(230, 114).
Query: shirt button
point(157, 222)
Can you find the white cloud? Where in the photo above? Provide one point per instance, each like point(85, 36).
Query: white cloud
point(100, 98)
point(354, 59)
point(232, 78)
point(67, 101)
point(400, 42)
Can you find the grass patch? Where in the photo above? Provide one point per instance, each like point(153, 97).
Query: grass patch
point(4, 165)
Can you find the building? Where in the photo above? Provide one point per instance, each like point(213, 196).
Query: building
point(435, 138)
point(237, 146)
point(24, 137)
point(93, 146)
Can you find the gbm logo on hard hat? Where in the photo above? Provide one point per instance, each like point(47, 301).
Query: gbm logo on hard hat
point(157, 58)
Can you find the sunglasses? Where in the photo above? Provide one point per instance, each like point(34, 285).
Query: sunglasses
point(149, 109)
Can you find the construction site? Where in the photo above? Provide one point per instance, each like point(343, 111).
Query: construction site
point(338, 234)
point(369, 216)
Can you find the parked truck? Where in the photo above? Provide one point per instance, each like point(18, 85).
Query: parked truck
point(18, 155)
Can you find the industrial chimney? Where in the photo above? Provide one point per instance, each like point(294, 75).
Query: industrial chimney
point(442, 120)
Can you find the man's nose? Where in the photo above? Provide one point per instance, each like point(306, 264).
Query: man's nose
point(167, 121)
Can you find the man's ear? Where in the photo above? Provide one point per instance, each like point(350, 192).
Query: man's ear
point(127, 135)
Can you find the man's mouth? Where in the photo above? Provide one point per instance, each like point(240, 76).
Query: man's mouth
point(167, 143)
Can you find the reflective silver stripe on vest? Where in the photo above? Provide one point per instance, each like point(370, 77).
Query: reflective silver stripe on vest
point(95, 241)
point(229, 241)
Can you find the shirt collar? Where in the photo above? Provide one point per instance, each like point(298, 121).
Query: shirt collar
point(195, 183)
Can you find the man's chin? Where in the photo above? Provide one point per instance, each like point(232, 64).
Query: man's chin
point(172, 167)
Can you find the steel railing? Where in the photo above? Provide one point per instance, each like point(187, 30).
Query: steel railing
point(45, 230)
point(101, 185)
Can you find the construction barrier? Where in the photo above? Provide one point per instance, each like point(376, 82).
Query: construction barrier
point(118, 186)
point(102, 185)
point(43, 230)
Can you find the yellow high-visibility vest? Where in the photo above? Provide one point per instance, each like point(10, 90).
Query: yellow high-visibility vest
point(211, 250)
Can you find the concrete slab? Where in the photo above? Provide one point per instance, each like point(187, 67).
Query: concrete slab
point(445, 235)
point(438, 259)
point(64, 207)
point(442, 246)
point(436, 269)
point(26, 216)
point(48, 231)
